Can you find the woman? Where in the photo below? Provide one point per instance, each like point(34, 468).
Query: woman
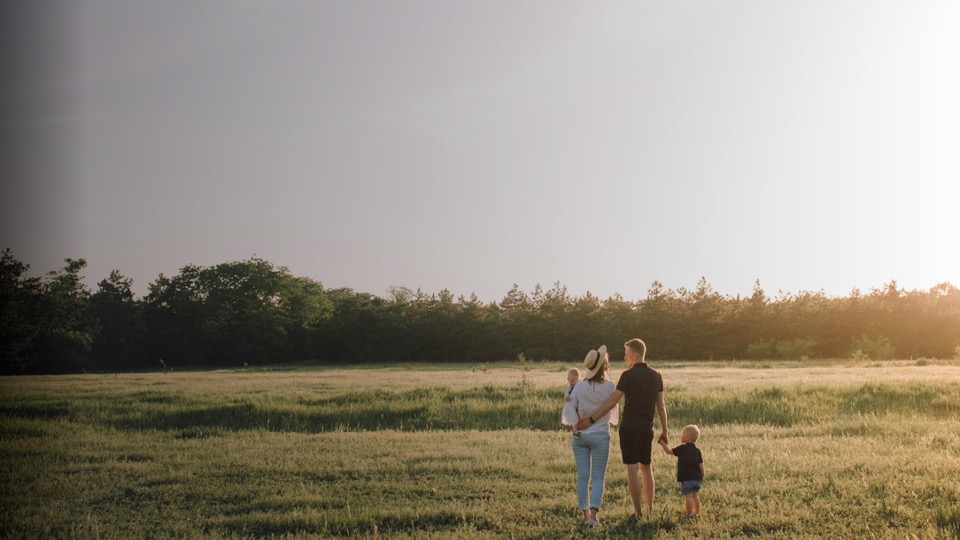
point(591, 446)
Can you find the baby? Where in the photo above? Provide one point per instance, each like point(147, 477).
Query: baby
point(569, 415)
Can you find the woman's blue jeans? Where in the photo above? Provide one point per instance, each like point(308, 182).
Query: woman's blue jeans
point(590, 451)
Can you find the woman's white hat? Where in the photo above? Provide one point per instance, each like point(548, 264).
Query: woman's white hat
point(594, 361)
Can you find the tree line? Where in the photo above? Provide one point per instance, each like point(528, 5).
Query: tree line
point(252, 312)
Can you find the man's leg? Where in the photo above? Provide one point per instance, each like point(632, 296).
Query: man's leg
point(647, 472)
point(633, 485)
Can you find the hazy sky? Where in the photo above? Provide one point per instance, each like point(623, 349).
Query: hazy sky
point(473, 145)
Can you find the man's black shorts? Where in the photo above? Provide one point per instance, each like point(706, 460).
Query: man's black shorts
point(635, 445)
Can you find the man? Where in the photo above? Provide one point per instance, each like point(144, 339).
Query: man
point(643, 387)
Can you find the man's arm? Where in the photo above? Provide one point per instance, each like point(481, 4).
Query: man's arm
point(662, 411)
point(604, 409)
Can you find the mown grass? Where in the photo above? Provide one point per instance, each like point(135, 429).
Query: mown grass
point(150, 455)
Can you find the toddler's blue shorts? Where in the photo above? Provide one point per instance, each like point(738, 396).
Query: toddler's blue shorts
point(689, 487)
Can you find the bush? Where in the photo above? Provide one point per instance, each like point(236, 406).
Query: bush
point(760, 349)
point(872, 349)
point(798, 349)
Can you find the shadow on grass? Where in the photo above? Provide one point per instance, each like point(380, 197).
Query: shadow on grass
point(644, 527)
point(196, 416)
point(489, 408)
point(338, 524)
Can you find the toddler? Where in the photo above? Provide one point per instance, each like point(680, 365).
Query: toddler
point(690, 470)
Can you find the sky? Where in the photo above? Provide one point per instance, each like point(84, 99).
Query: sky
point(470, 146)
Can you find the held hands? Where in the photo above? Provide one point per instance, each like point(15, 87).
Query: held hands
point(664, 439)
point(665, 447)
point(566, 399)
point(584, 423)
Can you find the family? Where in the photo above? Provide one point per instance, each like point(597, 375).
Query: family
point(591, 408)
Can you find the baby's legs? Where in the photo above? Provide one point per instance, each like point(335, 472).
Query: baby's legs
point(696, 503)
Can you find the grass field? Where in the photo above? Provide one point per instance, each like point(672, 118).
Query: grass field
point(815, 450)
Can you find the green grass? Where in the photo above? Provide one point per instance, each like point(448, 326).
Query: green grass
point(830, 451)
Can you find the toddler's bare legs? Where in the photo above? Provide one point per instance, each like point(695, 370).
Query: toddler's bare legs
point(692, 502)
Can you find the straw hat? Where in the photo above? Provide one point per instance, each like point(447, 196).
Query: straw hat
point(594, 361)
